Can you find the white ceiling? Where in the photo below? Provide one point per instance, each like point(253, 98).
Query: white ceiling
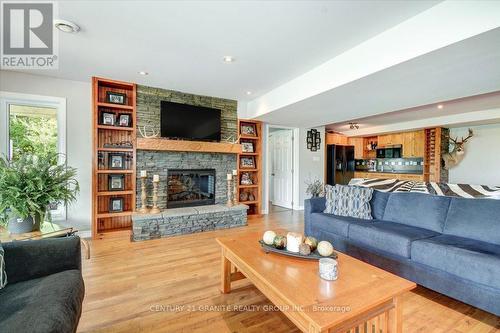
point(181, 43)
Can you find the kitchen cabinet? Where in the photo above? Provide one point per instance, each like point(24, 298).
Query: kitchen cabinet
point(413, 144)
point(336, 139)
point(390, 140)
point(359, 147)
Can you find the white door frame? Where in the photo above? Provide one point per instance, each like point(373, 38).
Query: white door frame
point(295, 163)
point(59, 103)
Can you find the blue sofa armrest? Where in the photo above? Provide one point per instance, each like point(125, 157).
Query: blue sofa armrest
point(26, 260)
point(313, 205)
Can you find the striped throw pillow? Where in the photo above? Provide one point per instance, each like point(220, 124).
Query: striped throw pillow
point(3, 274)
point(353, 201)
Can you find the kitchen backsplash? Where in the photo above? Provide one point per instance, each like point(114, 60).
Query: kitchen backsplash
point(390, 164)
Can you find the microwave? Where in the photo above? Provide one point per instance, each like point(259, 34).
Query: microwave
point(389, 152)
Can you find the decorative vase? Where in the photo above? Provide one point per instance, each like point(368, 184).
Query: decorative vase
point(18, 225)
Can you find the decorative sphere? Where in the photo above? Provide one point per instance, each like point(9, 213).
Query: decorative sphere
point(325, 248)
point(304, 249)
point(280, 242)
point(312, 242)
point(268, 237)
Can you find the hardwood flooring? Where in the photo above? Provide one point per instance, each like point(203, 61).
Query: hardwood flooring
point(171, 285)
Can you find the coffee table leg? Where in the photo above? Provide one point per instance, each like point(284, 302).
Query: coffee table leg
point(225, 274)
point(396, 322)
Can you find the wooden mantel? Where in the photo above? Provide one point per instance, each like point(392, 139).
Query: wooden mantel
point(161, 144)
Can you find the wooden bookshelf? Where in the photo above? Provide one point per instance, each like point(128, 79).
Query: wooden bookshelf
point(105, 140)
point(255, 189)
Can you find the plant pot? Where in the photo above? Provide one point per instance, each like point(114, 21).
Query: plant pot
point(18, 225)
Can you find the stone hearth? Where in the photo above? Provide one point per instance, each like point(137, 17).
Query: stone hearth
point(187, 220)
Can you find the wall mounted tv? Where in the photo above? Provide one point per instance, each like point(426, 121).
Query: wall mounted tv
point(184, 121)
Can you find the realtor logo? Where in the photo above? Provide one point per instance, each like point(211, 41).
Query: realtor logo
point(28, 37)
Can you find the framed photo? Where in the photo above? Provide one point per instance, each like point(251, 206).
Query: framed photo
point(246, 179)
point(248, 129)
point(115, 205)
point(116, 161)
point(116, 98)
point(247, 147)
point(116, 182)
point(124, 120)
point(247, 162)
point(108, 118)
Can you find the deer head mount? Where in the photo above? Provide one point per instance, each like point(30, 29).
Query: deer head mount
point(457, 154)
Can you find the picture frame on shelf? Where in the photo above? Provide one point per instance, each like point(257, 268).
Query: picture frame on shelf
point(247, 162)
point(115, 205)
point(116, 182)
point(116, 98)
point(124, 120)
point(246, 179)
point(247, 147)
point(108, 118)
point(248, 129)
point(116, 161)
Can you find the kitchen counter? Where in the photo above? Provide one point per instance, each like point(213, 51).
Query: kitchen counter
point(409, 175)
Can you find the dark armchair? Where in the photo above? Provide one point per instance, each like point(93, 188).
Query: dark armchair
point(45, 290)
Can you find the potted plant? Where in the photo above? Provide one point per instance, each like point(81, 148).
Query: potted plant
point(30, 183)
point(314, 188)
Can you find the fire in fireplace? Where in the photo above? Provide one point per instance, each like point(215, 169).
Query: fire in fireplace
point(190, 187)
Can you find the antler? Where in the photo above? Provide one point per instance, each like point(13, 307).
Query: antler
point(471, 134)
point(451, 139)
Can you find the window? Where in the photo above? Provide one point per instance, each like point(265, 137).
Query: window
point(33, 124)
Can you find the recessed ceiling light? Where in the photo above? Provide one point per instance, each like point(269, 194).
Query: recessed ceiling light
point(249, 92)
point(440, 106)
point(228, 59)
point(143, 73)
point(66, 26)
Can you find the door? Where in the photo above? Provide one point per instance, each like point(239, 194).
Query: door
point(281, 143)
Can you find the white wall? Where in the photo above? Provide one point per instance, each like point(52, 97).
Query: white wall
point(311, 164)
point(78, 130)
point(481, 163)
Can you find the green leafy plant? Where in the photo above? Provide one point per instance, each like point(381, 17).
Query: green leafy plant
point(314, 188)
point(30, 183)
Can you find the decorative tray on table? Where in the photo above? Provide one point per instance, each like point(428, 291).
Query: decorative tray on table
point(313, 255)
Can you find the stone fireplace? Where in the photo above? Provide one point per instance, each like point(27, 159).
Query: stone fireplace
point(190, 187)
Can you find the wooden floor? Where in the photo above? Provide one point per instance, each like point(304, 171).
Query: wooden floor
point(171, 285)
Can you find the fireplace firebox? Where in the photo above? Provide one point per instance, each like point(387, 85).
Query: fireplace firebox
point(190, 187)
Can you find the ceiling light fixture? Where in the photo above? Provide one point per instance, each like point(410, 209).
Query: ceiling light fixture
point(228, 59)
point(249, 92)
point(440, 106)
point(66, 26)
point(143, 73)
point(353, 126)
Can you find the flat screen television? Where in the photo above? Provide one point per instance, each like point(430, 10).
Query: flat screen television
point(184, 121)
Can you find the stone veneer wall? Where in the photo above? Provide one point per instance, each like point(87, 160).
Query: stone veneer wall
point(148, 108)
point(157, 162)
point(445, 148)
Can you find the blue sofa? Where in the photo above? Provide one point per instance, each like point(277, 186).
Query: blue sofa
point(450, 245)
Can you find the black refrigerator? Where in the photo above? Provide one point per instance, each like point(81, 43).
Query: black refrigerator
point(340, 164)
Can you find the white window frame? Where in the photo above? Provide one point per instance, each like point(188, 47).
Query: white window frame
point(59, 103)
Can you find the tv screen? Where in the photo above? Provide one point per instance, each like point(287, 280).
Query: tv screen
point(184, 121)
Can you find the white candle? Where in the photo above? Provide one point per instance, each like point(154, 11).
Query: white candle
point(235, 172)
point(156, 178)
point(229, 176)
point(144, 173)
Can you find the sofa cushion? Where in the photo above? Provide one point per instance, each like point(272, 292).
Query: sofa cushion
point(470, 259)
point(389, 237)
point(378, 203)
point(417, 210)
point(352, 201)
point(474, 218)
point(47, 304)
point(334, 224)
point(329, 195)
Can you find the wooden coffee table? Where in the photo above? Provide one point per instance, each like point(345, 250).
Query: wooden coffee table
point(363, 296)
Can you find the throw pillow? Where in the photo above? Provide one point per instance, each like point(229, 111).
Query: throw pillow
point(3, 275)
point(353, 201)
point(329, 196)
